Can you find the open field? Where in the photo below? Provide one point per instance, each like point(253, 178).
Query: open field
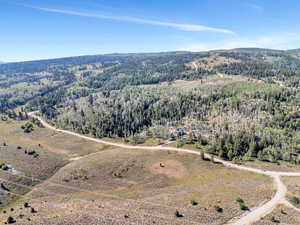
point(282, 215)
point(171, 180)
point(281, 166)
point(204, 138)
point(292, 184)
point(209, 62)
point(22, 154)
point(208, 82)
point(65, 145)
point(39, 154)
point(127, 185)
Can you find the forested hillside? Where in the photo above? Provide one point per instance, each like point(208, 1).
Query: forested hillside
point(237, 104)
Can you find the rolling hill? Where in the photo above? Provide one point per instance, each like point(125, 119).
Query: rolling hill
point(238, 106)
point(130, 95)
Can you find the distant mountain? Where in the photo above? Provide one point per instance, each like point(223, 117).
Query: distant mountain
point(44, 65)
point(294, 50)
point(287, 58)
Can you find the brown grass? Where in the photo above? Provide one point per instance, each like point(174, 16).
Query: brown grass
point(135, 174)
point(59, 143)
point(281, 166)
point(54, 151)
point(293, 186)
point(129, 174)
point(209, 63)
point(170, 168)
point(283, 215)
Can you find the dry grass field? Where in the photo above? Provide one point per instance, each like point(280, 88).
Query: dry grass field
point(67, 146)
point(212, 81)
point(293, 184)
point(51, 152)
point(293, 187)
point(157, 183)
point(281, 166)
point(281, 215)
point(209, 62)
point(85, 181)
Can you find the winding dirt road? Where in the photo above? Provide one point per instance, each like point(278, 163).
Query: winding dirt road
point(246, 219)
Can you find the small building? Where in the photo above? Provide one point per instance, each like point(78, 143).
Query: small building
point(180, 131)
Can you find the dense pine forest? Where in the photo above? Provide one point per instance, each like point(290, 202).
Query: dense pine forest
point(238, 104)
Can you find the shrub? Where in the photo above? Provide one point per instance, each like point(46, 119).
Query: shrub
point(274, 220)
point(218, 209)
point(243, 207)
point(27, 127)
point(295, 200)
point(193, 202)
point(3, 187)
point(178, 214)
point(179, 144)
point(32, 210)
point(239, 200)
point(32, 153)
point(10, 220)
point(241, 203)
point(3, 166)
point(136, 140)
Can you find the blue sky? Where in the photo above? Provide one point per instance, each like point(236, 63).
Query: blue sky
point(34, 29)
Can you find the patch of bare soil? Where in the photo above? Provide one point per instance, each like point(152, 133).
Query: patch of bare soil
point(170, 168)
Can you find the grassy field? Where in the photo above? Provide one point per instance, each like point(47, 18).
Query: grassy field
point(292, 184)
point(49, 152)
point(134, 185)
point(279, 166)
point(209, 82)
point(281, 215)
point(67, 146)
point(156, 182)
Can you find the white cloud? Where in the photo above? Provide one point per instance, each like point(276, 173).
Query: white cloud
point(255, 7)
point(186, 27)
point(278, 41)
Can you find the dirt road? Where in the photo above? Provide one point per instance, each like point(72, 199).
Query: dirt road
point(248, 218)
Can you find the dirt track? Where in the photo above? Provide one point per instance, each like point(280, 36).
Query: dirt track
point(250, 217)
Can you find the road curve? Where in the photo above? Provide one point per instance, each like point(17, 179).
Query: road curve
point(249, 218)
point(255, 215)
